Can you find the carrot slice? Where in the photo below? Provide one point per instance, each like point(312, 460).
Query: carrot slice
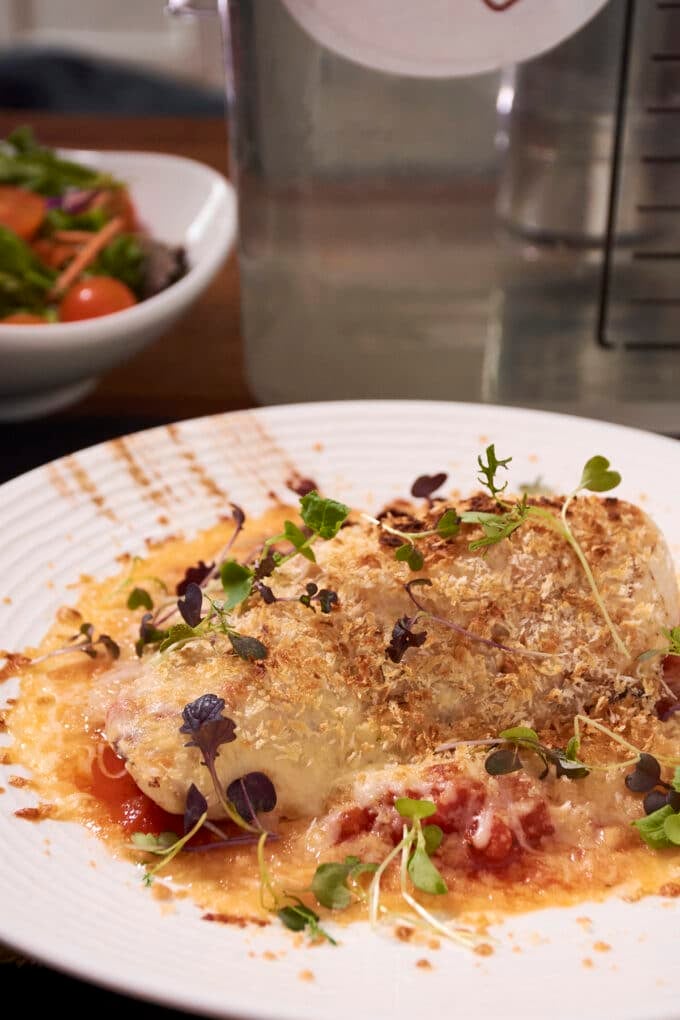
point(72, 236)
point(85, 256)
point(21, 211)
point(24, 319)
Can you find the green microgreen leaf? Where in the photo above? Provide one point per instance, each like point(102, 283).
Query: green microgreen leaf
point(671, 828)
point(652, 828)
point(151, 844)
point(597, 477)
point(329, 884)
point(323, 516)
point(180, 633)
point(407, 553)
point(248, 648)
point(410, 808)
point(173, 849)
point(298, 539)
point(675, 782)
point(488, 471)
point(237, 582)
point(299, 917)
point(433, 835)
point(424, 873)
point(673, 638)
point(519, 735)
point(572, 749)
point(448, 524)
point(496, 527)
point(139, 597)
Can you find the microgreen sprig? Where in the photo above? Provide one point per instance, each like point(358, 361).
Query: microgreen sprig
point(672, 647)
point(209, 729)
point(84, 641)
point(415, 848)
point(405, 637)
point(419, 843)
point(322, 519)
point(596, 476)
point(446, 527)
point(294, 914)
point(487, 472)
point(507, 757)
point(168, 844)
point(335, 885)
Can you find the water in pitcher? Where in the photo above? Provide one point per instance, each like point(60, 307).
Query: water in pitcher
point(368, 223)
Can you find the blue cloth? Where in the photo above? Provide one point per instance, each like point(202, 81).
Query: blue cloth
point(63, 82)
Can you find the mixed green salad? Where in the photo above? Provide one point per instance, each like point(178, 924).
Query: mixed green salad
point(71, 244)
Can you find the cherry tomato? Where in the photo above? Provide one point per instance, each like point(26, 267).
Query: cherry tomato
point(24, 319)
point(22, 211)
point(95, 296)
point(127, 805)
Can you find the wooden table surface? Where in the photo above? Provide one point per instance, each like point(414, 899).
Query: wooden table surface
point(197, 367)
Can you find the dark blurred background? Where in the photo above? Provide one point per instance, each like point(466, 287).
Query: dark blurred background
point(122, 58)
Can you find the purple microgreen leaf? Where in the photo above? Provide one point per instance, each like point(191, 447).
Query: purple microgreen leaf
point(310, 591)
point(299, 485)
point(139, 597)
point(265, 592)
point(403, 638)
point(195, 806)
point(503, 761)
point(190, 603)
point(87, 630)
point(237, 582)
point(194, 575)
point(149, 634)
point(207, 708)
point(327, 599)
point(251, 795)
point(238, 515)
point(425, 485)
point(248, 648)
point(267, 565)
point(109, 645)
point(208, 728)
point(654, 801)
point(645, 776)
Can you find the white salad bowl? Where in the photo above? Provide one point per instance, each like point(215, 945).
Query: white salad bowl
point(180, 202)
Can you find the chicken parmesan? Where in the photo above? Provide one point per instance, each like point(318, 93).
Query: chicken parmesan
point(464, 706)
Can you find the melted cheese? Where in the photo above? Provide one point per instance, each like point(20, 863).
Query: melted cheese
point(339, 728)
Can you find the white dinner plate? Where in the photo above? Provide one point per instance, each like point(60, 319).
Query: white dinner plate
point(76, 515)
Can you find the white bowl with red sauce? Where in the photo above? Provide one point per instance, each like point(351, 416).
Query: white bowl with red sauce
point(178, 201)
